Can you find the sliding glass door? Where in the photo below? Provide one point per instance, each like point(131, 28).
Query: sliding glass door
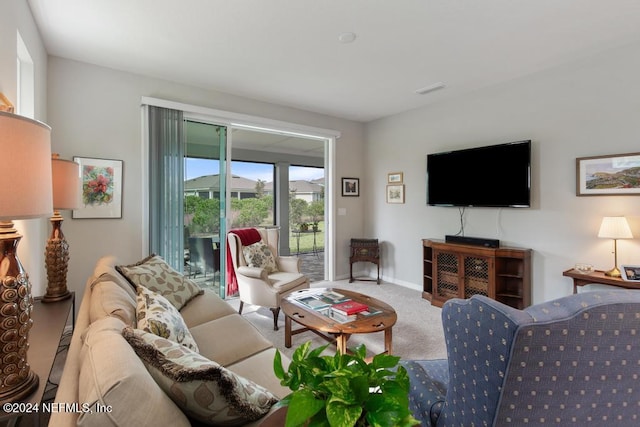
point(204, 204)
point(195, 190)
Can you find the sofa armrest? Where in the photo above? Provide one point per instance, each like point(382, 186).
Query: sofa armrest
point(289, 264)
point(255, 272)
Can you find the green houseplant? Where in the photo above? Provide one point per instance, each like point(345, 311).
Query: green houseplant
point(344, 390)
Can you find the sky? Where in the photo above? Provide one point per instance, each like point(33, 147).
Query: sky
point(200, 167)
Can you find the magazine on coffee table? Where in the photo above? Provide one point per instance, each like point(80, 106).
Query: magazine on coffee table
point(313, 302)
point(321, 300)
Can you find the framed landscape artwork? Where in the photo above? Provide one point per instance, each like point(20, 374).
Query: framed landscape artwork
point(350, 187)
point(101, 188)
point(394, 178)
point(613, 175)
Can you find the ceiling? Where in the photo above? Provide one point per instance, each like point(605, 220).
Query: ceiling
point(287, 51)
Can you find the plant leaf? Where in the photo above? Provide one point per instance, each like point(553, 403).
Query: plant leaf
point(360, 351)
point(340, 389)
point(340, 414)
point(277, 366)
point(384, 361)
point(318, 420)
point(360, 388)
point(301, 352)
point(302, 406)
point(316, 352)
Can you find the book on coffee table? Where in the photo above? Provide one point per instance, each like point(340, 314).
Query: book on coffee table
point(370, 312)
point(341, 318)
point(350, 307)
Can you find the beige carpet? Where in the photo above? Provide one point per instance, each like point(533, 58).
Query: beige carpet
point(416, 335)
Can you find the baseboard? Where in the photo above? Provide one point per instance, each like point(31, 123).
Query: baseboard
point(383, 278)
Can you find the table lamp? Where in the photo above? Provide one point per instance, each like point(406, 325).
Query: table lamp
point(614, 227)
point(66, 191)
point(25, 192)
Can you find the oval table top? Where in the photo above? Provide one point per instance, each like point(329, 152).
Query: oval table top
point(312, 319)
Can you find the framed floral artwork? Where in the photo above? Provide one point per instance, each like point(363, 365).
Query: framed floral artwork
point(101, 188)
point(395, 193)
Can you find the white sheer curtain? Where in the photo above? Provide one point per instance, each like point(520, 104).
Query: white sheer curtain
point(166, 185)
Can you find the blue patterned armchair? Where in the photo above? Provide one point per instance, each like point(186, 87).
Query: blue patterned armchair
point(571, 361)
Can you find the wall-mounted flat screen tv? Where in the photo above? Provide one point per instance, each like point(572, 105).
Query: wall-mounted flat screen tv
point(489, 176)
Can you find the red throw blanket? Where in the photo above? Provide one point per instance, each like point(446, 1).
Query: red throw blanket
point(247, 237)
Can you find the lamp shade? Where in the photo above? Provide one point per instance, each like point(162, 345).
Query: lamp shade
point(66, 183)
point(25, 169)
point(615, 227)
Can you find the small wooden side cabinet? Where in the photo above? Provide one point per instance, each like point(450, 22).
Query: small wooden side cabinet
point(364, 250)
point(454, 270)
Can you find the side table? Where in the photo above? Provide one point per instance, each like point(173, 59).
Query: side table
point(49, 322)
point(598, 277)
point(364, 250)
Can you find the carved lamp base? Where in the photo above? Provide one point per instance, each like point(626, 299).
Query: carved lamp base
point(56, 262)
point(17, 381)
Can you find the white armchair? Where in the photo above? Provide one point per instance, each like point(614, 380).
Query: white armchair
point(263, 280)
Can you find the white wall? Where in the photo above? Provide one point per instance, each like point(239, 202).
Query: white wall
point(14, 16)
point(582, 109)
point(95, 112)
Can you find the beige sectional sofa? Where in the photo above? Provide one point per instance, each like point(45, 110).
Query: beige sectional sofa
point(105, 382)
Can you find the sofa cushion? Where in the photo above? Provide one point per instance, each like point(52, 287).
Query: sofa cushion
point(259, 255)
point(205, 390)
point(206, 307)
point(254, 369)
point(155, 274)
point(229, 339)
point(157, 316)
point(108, 298)
point(285, 281)
point(110, 373)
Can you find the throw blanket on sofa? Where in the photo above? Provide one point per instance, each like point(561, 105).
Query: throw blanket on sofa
point(247, 237)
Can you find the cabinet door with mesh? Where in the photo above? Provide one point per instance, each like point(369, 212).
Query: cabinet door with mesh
point(476, 276)
point(447, 270)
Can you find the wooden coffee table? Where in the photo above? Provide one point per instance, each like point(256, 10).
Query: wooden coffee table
point(332, 330)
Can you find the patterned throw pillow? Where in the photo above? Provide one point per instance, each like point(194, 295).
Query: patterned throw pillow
point(155, 274)
point(203, 389)
point(158, 316)
point(259, 255)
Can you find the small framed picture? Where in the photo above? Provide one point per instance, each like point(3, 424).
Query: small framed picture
point(101, 188)
point(612, 175)
point(394, 178)
point(395, 193)
point(631, 273)
point(350, 187)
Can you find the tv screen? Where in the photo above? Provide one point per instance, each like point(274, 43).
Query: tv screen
point(490, 176)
